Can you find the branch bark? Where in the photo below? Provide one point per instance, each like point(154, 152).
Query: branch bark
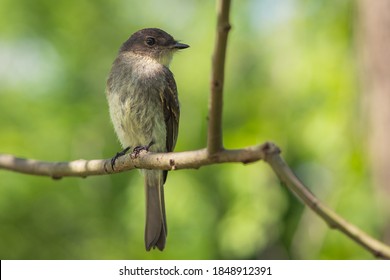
point(162, 161)
point(215, 139)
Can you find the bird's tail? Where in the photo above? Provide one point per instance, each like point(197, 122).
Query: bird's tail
point(156, 226)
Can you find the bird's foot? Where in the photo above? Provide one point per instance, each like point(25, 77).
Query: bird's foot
point(137, 150)
point(118, 155)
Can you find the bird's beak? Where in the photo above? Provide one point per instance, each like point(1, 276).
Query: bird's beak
point(180, 46)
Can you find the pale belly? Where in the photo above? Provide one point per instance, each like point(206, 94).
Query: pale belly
point(138, 122)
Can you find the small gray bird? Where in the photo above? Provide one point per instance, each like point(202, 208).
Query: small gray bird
point(144, 110)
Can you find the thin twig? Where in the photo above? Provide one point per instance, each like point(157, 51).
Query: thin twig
point(285, 174)
point(215, 139)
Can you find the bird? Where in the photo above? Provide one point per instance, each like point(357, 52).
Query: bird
point(144, 108)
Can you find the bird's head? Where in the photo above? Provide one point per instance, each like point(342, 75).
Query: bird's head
point(154, 43)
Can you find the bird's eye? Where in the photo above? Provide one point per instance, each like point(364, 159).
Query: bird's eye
point(150, 41)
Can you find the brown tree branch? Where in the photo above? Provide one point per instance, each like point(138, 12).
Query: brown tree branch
point(163, 161)
point(215, 139)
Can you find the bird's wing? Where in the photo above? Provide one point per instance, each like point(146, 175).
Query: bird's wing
point(171, 110)
point(170, 103)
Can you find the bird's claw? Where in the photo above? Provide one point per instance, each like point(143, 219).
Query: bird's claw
point(137, 150)
point(118, 155)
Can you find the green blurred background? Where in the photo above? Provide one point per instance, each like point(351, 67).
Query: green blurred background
point(291, 77)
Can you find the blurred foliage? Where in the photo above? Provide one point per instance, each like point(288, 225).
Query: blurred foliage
point(290, 78)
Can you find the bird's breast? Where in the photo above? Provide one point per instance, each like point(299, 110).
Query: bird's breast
point(136, 107)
